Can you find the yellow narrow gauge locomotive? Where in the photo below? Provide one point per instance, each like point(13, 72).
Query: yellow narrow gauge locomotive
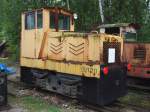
point(86, 66)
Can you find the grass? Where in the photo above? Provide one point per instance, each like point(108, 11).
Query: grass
point(136, 99)
point(6, 61)
point(33, 104)
point(37, 104)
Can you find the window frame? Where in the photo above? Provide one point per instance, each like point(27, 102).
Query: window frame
point(39, 12)
point(26, 23)
point(67, 27)
point(54, 17)
point(56, 21)
point(35, 16)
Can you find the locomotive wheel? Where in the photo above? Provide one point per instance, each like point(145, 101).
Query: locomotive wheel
point(57, 82)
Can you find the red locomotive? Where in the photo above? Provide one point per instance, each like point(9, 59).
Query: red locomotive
point(135, 53)
point(138, 54)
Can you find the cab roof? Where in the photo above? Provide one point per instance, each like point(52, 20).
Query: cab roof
point(134, 25)
point(49, 8)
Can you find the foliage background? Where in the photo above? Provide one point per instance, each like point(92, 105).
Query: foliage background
point(115, 11)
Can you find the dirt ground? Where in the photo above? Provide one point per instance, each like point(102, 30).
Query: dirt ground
point(12, 108)
point(15, 110)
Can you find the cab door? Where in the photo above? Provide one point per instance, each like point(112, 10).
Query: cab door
point(28, 35)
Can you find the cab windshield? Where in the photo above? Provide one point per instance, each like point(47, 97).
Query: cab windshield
point(63, 21)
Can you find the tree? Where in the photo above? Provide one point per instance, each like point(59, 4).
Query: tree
point(101, 10)
point(115, 11)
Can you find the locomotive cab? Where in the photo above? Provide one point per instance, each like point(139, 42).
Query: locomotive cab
point(86, 66)
point(36, 23)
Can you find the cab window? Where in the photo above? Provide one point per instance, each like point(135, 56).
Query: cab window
point(52, 20)
point(39, 19)
point(64, 22)
point(30, 20)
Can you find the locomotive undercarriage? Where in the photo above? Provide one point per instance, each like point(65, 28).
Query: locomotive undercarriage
point(55, 82)
point(92, 90)
point(68, 86)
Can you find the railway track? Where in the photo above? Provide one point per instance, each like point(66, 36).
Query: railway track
point(115, 107)
point(118, 107)
point(139, 87)
point(138, 84)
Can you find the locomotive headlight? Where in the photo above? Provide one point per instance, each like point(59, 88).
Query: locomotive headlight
point(129, 67)
point(75, 16)
point(105, 70)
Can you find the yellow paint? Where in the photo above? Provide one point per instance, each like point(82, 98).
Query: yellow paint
point(65, 52)
point(38, 41)
point(33, 63)
point(63, 67)
point(28, 44)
